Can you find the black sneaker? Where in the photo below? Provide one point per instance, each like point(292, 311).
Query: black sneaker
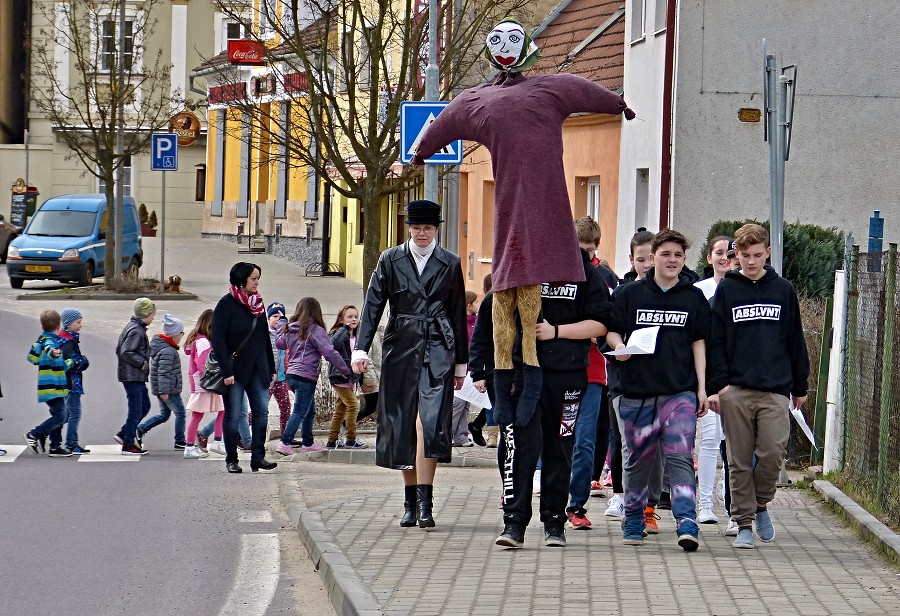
point(133, 450)
point(78, 450)
point(119, 438)
point(138, 438)
point(513, 536)
point(32, 442)
point(554, 536)
point(179, 445)
point(665, 501)
point(60, 452)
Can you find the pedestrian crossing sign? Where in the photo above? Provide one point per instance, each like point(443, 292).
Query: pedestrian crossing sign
point(415, 117)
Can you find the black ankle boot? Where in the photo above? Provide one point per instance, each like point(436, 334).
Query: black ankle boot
point(423, 492)
point(409, 507)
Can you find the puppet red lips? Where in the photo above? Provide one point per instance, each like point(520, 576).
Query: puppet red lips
point(505, 60)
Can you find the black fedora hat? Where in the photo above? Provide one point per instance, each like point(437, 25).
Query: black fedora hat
point(423, 212)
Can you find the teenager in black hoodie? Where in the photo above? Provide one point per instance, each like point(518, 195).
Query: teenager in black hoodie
point(758, 364)
point(662, 393)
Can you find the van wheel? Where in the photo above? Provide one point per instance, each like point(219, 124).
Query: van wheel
point(133, 269)
point(16, 283)
point(87, 276)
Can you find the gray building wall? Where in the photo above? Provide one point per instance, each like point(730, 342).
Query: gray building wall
point(845, 149)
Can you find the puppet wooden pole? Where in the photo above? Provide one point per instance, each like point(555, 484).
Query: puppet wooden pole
point(431, 92)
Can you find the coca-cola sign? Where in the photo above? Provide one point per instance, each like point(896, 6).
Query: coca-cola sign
point(246, 52)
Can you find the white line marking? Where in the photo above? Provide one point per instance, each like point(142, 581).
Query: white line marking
point(12, 452)
point(257, 576)
point(106, 453)
point(255, 517)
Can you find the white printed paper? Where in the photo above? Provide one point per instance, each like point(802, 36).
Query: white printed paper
point(470, 394)
point(641, 342)
point(797, 414)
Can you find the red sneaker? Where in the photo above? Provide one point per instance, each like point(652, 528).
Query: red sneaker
point(598, 489)
point(650, 519)
point(579, 521)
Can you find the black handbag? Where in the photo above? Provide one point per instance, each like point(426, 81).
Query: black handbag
point(212, 379)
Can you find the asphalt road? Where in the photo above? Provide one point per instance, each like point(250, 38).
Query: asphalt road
point(156, 534)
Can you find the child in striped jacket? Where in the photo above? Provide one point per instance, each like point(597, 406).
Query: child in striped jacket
point(52, 386)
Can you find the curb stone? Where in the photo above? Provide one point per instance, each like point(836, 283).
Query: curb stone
point(348, 593)
point(367, 456)
point(862, 521)
point(44, 295)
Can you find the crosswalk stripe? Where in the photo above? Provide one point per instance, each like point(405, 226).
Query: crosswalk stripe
point(12, 452)
point(106, 453)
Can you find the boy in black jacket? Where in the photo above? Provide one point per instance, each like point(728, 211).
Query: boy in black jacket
point(662, 393)
point(758, 364)
point(573, 313)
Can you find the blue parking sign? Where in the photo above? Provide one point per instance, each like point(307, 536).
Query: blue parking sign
point(164, 152)
point(415, 117)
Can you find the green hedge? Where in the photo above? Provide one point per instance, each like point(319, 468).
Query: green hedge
point(811, 254)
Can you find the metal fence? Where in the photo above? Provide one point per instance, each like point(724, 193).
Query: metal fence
point(871, 389)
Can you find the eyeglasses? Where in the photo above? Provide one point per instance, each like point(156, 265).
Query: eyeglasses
point(417, 229)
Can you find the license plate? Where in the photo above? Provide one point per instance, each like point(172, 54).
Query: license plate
point(38, 269)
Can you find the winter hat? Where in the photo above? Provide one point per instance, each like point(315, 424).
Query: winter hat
point(144, 307)
point(275, 308)
point(69, 316)
point(172, 325)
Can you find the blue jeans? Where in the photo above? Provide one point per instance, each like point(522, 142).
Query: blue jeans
point(258, 396)
point(243, 424)
point(138, 407)
point(73, 414)
point(52, 426)
point(303, 413)
point(585, 443)
point(173, 404)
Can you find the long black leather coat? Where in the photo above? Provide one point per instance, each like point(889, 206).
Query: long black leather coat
point(424, 339)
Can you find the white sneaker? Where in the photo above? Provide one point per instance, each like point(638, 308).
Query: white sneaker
point(707, 517)
point(536, 483)
point(732, 529)
point(720, 490)
point(193, 453)
point(616, 507)
point(217, 447)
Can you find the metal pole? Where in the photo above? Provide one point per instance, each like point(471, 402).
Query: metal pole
point(120, 145)
point(884, 428)
point(162, 236)
point(776, 225)
point(431, 91)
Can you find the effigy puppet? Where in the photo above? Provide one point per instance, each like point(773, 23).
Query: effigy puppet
point(519, 119)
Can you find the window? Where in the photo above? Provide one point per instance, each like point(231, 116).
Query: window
point(637, 19)
point(593, 199)
point(357, 58)
point(200, 183)
point(235, 30)
point(109, 40)
point(641, 198)
point(659, 16)
point(268, 18)
point(126, 179)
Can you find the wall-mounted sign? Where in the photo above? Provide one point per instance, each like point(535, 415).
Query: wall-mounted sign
point(262, 85)
point(242, 51)
point(749, 114)
point(187, 126)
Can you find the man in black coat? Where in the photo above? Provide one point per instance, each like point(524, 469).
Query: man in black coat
point(424, 355)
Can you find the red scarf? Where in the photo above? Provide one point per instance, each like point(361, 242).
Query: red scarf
point(254, 303)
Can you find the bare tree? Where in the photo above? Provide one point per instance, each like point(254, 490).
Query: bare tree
point(76, 61)
point(360, 59)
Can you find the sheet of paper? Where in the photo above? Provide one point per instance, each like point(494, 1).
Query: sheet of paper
point(470, 394)
point(797, 414)
point(641, 342)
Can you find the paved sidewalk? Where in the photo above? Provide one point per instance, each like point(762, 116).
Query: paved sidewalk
point(815, 566)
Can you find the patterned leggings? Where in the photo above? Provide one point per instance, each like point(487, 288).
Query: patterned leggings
point(280, 390)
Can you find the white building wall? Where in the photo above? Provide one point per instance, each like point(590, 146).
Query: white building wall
point(641, 137)
point(844, 151)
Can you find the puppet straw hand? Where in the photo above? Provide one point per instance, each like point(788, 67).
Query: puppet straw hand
point(417, 160)
point(629, 114)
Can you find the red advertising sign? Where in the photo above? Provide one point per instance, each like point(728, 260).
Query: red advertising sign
point(246, 52)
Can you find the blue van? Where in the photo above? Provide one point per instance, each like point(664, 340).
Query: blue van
point(65, 240)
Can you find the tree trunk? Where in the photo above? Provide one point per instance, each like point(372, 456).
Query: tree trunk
point(109, 258)
point(372, 247)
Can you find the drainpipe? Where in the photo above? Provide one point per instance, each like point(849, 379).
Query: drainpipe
point(665, 175)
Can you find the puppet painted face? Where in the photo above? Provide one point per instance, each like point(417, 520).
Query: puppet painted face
point(505, 43)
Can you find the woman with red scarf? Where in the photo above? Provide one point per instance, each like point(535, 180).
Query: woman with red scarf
point(241, 344)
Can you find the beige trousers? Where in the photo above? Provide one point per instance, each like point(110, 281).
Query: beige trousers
point(346, 407)
point(756, 423)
